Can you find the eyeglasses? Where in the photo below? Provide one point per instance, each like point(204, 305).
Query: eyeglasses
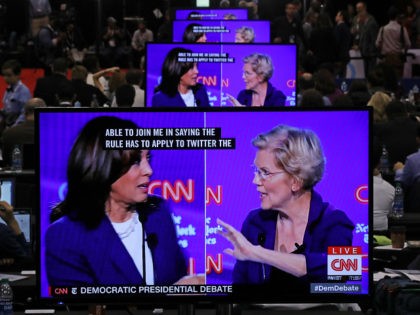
point(264, 174)
point(247, 73)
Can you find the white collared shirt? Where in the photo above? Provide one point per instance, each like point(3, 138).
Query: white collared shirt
point(130, 233)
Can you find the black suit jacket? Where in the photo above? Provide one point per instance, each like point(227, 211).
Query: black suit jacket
point(47, 88)
point(399, 137)
point(84, 93)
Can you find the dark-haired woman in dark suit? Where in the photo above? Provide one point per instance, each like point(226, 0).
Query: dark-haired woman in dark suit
point(179, 86)
point(193, 34)
point(111, 231)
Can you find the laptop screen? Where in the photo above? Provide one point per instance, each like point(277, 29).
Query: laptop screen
point(7, 190)
point(23, 217)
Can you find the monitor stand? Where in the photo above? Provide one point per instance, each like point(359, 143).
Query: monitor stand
point(96, 309)
point(224, 309)
point(221, 309)
point(186, 309)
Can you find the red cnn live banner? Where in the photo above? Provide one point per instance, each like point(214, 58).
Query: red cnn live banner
point(344, 250)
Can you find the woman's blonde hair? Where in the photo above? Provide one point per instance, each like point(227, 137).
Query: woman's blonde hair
point(379, 101)
point(297, 151)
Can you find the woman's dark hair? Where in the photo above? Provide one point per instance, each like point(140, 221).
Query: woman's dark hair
point(345, 16)
point(311, 98)
point(324, 82)
point(125, 95)
point(192, 33)
point(359, 93)
point(92, 169)
point(91, 63)
point(396, 109)
point(343, 100)
point(13, 65)
point(323, 22)
point(358, 85)
point(173, 70)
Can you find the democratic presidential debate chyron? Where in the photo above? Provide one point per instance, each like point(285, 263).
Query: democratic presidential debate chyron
point(191, 204)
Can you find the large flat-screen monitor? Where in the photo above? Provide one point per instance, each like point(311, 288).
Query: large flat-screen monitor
point(224, 31)
point(221, 71)
point(173, 189)
point(211, 14)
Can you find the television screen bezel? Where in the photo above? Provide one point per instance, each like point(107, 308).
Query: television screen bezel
point(250, 297)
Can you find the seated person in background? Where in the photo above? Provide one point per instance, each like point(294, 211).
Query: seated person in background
point(257, 71)
point(23, 133)
point(66, 96)
point(359, 93)
point(224, 4)
point(124, 95)
point(116, 80)
point(85, 92)
point(193, 34)
point(91, 63)
point(383, 193)
point(409, 173)
point(325, 83)
point(312, 98)
point(73, 44)
point(252, 6)
point(379, 101)
point(105, 81)
point(138, 42)
point(17, 93)
point(13, 245)
point(47, 87)
point(244, 34)
point(135, 78)
point(343, 101)
point(398, 133)
point(306, 83)
point(113, 40)
point(179, 86)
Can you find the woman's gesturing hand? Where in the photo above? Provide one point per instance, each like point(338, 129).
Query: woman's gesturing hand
point(242, 248)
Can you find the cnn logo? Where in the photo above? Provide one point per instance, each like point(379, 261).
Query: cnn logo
point(344, 261)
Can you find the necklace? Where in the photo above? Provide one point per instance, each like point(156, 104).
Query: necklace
point(124, 229)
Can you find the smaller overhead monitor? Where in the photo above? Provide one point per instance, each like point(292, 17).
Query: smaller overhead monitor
point(211, 14)
point(223, 31)
point(220, 73)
